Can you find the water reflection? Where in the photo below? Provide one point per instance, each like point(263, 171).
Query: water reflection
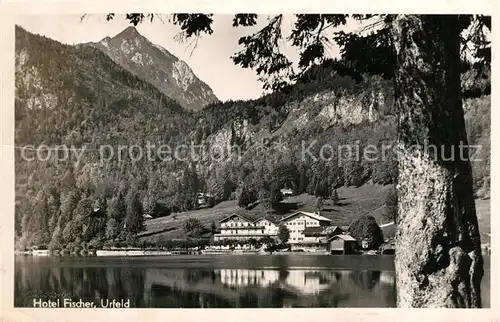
point(269, 288)
point(298, 280)
point(274, 285)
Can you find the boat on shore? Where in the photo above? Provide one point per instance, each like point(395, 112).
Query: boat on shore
point(133, 253)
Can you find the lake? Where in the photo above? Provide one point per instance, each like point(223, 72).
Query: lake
point(213, 281)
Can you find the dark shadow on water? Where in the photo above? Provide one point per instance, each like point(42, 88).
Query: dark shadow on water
point(365, 280)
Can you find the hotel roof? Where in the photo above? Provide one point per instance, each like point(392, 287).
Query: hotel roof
point(313, 231)
point(345, 237)
point(235, 215)
point(263, 218)
point(318, 231)
point(309, 214)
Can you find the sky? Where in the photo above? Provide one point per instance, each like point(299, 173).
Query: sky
point(210, 60)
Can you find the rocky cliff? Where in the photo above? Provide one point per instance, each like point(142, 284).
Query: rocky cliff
point(156, 65)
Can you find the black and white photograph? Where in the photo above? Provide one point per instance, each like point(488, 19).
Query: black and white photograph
point(209, 161)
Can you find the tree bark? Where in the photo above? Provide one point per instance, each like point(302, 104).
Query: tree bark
point(438, 249)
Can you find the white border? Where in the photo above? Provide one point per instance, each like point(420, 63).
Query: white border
point(8, 11)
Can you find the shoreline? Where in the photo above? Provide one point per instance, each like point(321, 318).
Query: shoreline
point(145, 253)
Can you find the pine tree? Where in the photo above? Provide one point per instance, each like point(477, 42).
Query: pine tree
point(117, 208)
point(427, 79)
point(134, 220)
point(56, 240)
point(283, 234)
point(248, 195)
point(275, 195)
point(213, 228)
point(335, 197)
point(303, 180)
point(112, 229)
point(319, 204)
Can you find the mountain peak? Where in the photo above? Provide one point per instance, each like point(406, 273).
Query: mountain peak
point(128, 33)
point(158, 67)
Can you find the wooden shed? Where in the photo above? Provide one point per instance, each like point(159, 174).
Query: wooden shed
point(387, 249)
point(342, 244)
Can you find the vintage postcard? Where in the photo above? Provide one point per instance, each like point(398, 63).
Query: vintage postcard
point(204, 158)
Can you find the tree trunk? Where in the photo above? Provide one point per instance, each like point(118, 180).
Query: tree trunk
point(438, 249)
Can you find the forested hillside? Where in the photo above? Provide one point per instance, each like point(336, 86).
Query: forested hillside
point(78, 97)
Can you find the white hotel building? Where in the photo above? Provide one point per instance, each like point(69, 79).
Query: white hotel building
point(297, 223)
point(237, 226)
